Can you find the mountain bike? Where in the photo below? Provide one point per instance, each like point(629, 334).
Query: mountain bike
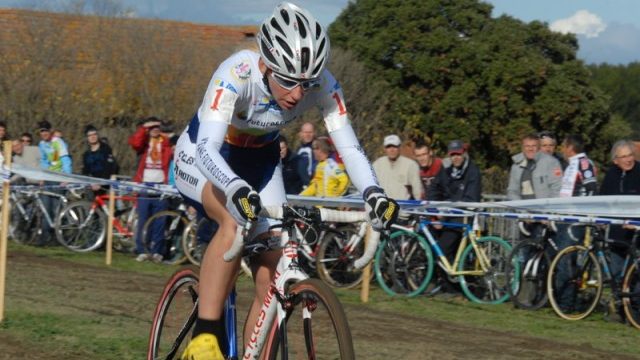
point(404, 263)
point(30, 212)
point(81, 226)
point(577, 275)
point(533, 257)
point(302, 317)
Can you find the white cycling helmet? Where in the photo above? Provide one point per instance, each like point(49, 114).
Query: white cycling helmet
point(293, 43)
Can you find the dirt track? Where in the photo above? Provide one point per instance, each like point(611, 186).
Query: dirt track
point(63, 287)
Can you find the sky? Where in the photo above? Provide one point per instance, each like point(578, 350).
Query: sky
point(607, 30)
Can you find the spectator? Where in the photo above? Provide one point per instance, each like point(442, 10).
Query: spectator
point(26, 138)
point(4, 136)
point(25, 155)
point(429, 166)
point(306, 162)
point(98, 160)
point(534, 174)
point(548, 145)
point(579, 180)
point(459, 180)
point(153, 168)
point(329, 177)
point(292, 180)
point(173, 140)
point(398, 175)
point(54, 156)
point(621, 179)
point(580, 175)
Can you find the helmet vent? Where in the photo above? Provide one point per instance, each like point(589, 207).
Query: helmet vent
point(284, 46)
point(266, 53)
point(318, 30)
point(285, 16)
point(321, 46)
point(304, 59)
point(317, 69)
point(266, 34)
point(290, 66)
point(301, 28)
point(276, 26)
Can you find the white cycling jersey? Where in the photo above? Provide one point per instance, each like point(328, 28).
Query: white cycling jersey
point(238, 109)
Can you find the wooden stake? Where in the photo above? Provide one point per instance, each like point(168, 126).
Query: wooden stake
point(366, 272)
point(5, 228)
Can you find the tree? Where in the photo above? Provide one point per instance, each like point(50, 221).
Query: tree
point(455, 72)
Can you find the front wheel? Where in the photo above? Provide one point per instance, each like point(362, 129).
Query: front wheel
point(404, 264)
point(574, 283)
point(528, 289)
point(315, 326)
point(484, 277)
point(334, 262)
point(631, 295)
point(175, 315)
point(166, 227)
point(80, 227)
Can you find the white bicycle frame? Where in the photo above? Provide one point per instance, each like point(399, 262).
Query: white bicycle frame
point(288, 272)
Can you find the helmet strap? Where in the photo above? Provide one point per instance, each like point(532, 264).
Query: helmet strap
point(265, 81)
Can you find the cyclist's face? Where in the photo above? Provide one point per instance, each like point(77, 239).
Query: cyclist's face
point(286, 99)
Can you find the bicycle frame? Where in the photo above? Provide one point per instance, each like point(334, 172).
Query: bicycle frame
point(469, 235)
point(43, 209)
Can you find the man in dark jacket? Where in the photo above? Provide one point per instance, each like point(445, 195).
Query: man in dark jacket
point(292, 180)
point(459, 180)
point(621, 179)
point(98, 160)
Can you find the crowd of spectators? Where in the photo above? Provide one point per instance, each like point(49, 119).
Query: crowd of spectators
point(315, 169)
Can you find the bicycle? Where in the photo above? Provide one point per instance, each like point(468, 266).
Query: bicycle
point(301, 316)
point(81, 226)
point(575, 283)
point(533, 257)
point(404, 263)
point(27, 221)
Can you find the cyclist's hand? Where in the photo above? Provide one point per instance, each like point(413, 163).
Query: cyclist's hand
point(382, 210)
point(243, 202)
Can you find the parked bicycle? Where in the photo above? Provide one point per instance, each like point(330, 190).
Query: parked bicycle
point(174, 223)
point(533, 257)
point(578, 275)
point(302, 317)
point(404, 263)
point(82, 225)
point(29, 213)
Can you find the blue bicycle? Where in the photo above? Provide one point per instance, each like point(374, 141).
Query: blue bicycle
point(404, 263)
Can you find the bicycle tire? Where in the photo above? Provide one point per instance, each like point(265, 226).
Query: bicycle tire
point(79, 229)
point(173, 228)
point(529, 291)
point(490, 287)
point(334, 262)
point(404, 264)
point(315, 327)
point(574, 283)
point(174, 316)
point(192, 248)
point(631, 302)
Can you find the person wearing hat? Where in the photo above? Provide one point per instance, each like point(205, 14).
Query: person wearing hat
point(459, 180)
point(98, 160)
point(399, 176)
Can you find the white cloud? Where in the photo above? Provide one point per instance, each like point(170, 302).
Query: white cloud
point(581, 23)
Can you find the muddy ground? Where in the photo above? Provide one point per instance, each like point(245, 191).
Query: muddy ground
point(64, 287)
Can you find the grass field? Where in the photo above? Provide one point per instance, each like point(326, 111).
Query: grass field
point(61, 305)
